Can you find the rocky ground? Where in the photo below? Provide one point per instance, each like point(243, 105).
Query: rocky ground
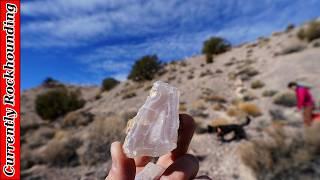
point(76, 146)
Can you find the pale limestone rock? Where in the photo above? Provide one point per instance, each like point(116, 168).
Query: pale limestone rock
point(150, 172)
point(154, 130)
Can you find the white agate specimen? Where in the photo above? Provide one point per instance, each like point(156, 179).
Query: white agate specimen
point(154, 130)
point(150, 172)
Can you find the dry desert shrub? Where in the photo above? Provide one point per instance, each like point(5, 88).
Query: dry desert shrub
point(215, 98)
point(257, 84)
point(219, 122)
point(286, 99)
point(77, 118)
point(208, 72)
point(281, 152)
point(129, 114)
point(269, 93)
point(199, 104)
point(200, 127)
point(197, 109)
point(61, 150)
point(219, 107)
point(292, 48)
point(316, 43)
point(250, 109)
point(129, 95)
point(182, 107)
point(234, 112)
point(102, 132)
point(312, 135)
point(243, 108)
point(183, 63)
point(311, 32)
point(190, 76)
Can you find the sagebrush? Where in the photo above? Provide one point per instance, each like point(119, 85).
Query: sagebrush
point(57, 102)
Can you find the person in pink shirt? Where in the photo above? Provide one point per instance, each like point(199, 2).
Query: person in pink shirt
point(305, 101)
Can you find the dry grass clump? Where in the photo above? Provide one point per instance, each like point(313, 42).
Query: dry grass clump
point(198, 108)
point(39, 137)
point(219, 107)
point(129, 114)
point(292, 48)
point(250, 109)
point(190, 76)
point(311, 32)
point(200, 127)
point(230, 63)
point(286, 99)
point(199, 104)
point(316, 43)
point(219, 122)
point(215, 98)
point(129, 95)
point(257, 84)
point(102, 132)
point(312, 135)
point(246, 73)
point(269, 93)
point(208, 72)
point(242, 108)
point(171, 78)
point(282, 152)
point(77, 118)
point(61, 150)
point(183, 63)
point(182, 107)
point(234, 112)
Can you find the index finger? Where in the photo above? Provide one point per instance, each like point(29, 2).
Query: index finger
point(185, 133)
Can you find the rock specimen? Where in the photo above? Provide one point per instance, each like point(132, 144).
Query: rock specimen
point(154, 130)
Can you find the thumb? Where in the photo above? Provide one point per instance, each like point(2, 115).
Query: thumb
point(123, 168)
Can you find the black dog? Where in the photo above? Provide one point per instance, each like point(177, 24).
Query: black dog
point(238, 130)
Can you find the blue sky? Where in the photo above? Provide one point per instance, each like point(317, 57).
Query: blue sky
point(84, 41)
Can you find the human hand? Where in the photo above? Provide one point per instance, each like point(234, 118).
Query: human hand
point(178, 164)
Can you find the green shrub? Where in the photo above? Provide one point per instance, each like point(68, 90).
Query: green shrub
point(214, 46)
point(290, 27)
point(49, 82)
point(109, 83)
point(257, 84)
point(145, 68)
point(311, 32)
point(285, 99)
point(57, 102)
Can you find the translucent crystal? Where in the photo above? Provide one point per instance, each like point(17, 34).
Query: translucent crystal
point(150, 172)
point(154, 130)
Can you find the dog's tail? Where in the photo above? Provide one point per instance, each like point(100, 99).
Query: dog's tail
point(248, 120)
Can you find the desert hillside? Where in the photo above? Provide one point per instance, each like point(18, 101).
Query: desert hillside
point(249, 79)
